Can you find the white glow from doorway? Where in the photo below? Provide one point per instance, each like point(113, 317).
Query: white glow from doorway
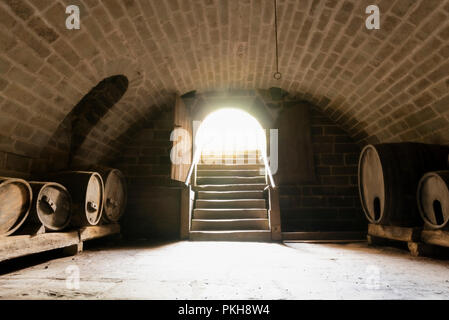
point(230, 131)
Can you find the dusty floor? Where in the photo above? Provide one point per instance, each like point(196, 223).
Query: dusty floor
point(223, 270)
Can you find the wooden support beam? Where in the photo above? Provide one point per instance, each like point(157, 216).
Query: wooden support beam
point(94, 232)
point(19, 246)
point(187, 202)
point(419, 242)
point(71, 241)
point(435, 237)
point(419, 249)
point(275, 214)
point(394, 233)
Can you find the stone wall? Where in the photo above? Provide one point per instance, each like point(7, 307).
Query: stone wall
point(332, 203)
point(13, 165)
point(154, 200)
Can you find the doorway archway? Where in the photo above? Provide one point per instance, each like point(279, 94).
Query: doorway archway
point(230, 135)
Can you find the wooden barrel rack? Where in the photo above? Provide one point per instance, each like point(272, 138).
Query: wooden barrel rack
point(420, 242)
point(71, 241)
point(43, 216)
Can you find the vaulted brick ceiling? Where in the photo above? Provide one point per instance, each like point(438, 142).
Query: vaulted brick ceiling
point(380, 85)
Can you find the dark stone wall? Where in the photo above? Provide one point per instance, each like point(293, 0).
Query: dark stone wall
point(153, 209)
point(13, 165)
point(332, 203)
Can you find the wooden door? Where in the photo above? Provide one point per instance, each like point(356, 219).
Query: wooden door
point(181, 154)
point(296, 163)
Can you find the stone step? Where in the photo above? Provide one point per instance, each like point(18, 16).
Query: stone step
point(231, 204)
point(240, 155)
point(230, 213)
point(231, 187)
point(231, 172)
point(229, 167)
point(229, 235)
point(230, 180)
point(229, 224)
point(231, 161)
point(254, 194)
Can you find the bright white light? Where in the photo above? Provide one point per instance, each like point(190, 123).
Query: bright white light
point(230, 131)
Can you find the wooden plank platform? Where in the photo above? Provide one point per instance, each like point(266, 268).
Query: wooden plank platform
point(435, 237)
point(72, 241)
point(394, 233)
point(90, 233)
point(19, 246)
point(380, 235)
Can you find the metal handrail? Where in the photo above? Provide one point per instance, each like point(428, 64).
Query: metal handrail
point(196, 159)
point(268, 170)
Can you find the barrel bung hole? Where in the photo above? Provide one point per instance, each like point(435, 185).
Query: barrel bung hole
point(438, 212)
point(376, 206)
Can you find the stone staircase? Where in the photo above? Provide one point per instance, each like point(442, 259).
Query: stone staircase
point(230, 203)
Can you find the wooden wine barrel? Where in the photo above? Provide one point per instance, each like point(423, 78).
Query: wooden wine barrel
point(433, 199)
point(87, 191)
point(388, 179)
point(115, 194)
point(52, 206)
point(15, 203)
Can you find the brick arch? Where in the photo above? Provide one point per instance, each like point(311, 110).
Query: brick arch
point(380, 85)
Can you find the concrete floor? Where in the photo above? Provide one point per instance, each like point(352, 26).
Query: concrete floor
point(224, 270)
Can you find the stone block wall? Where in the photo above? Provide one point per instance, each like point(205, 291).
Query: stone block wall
point(153, 209)
point(332, 203)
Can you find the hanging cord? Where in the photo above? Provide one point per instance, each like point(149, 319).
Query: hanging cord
point(277, 74)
